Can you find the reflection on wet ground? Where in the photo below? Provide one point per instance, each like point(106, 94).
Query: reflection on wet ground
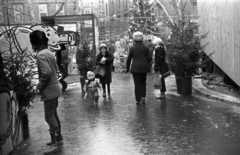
point(179, 125)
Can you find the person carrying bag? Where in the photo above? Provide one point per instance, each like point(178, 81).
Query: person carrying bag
point(161, 66)
point(104, 68)
point(100, 71)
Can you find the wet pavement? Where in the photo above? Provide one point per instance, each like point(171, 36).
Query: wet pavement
point(179, 125)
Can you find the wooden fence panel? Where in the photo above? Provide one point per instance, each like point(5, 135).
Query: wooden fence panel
point(220, 19)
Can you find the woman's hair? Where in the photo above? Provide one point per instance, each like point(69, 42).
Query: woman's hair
point(38, 37)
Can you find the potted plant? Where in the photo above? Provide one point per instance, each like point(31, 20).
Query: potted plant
point(184, 52)
point(22, 70)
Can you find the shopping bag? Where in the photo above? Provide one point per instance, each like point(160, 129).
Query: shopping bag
point(100, 71)
point(157, 83)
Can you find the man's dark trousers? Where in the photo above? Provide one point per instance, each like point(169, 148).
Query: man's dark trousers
point(51, 116)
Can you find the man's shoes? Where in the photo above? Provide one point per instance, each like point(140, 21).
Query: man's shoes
point(104, 94)
point(55, 140)
point(138, 103)
point(143, 101)
point(53, 150)
point(162, 96)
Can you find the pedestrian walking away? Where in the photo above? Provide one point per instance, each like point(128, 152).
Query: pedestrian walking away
point(150, 45)
point(160, 65)
point(104, 58)
point(91, 88)
point(48, 86)
point(139, 58)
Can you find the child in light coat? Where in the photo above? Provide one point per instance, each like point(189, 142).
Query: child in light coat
point(92, 87)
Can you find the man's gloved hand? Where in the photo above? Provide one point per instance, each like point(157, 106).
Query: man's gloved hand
point(127, 70)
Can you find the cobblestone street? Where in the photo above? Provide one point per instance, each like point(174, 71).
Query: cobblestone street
point(179, 125)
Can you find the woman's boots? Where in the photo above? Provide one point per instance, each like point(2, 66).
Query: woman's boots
point(143, 100)
point(162, 96)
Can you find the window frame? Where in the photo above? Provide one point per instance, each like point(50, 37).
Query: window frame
point(17, 11)
point(39, 6)
point(1, 14)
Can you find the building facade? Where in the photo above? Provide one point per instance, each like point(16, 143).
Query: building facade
point(100, 8)
point(18, 12)
point(118, 16)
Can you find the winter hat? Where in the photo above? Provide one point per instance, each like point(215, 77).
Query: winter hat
point(138, 36)
point(103, 45)
point(157, 41)
point(90, 74)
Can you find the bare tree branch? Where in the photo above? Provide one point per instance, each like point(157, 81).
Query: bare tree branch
point(31, 12)
point(164, 9)
point(17, 10)
point(60, 8)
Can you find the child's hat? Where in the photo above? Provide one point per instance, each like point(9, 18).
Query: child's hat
point(89, 73)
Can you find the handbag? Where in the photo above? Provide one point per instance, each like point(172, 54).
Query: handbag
point(157, 83)
point(100, 71)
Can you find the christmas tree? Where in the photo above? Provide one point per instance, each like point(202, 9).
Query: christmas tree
point(142, 17)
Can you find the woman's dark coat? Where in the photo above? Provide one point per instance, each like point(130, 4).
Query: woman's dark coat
point(140, 57)
point(108, 67)
point(160, 60)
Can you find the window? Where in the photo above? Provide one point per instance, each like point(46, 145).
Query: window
point(18, 12)
point(194, 2)
point(88, 23)
point(101, 12)
point(88, 11)
point(112, 6)
point(1, 15)
point(119, 4)
point(106, 9)
point(91, 2)
point(101, 2)
point(43, 10)
point(86, 3)
point(61, 13)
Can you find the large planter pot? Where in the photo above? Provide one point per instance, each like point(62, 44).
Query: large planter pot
point(25, 125)
point(184, 85)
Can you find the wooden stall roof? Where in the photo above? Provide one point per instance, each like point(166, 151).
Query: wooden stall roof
point(69, 18)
